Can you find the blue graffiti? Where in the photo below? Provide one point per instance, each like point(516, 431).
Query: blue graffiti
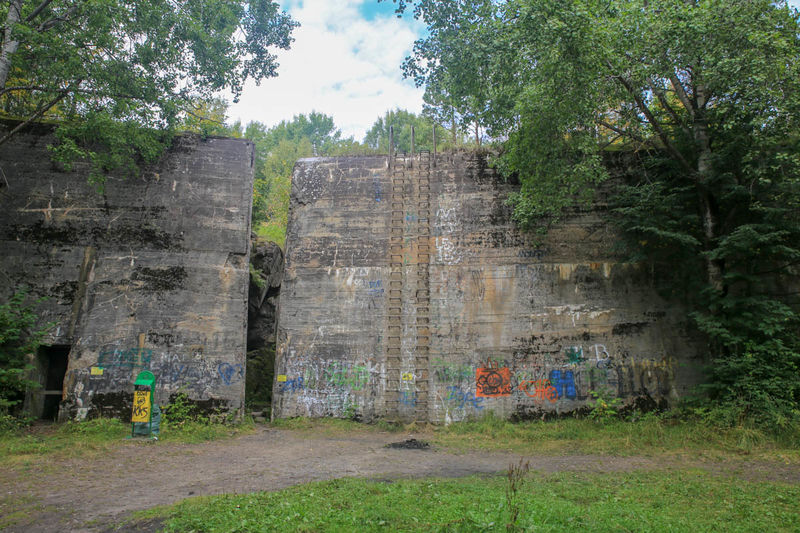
point(564, 382)
point(292, 385)
point(408, 398)
point(462, 398)
point(230, 373)
point(376, 183)
point(375, 288)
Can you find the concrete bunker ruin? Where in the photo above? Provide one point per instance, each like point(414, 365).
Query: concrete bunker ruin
point(409, 295)
point(151, 274)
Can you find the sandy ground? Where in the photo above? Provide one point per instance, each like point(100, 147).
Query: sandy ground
point(95, 494)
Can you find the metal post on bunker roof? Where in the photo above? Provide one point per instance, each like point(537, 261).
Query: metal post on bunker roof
point(392, 161)
point(434, 145)
point(411, 163)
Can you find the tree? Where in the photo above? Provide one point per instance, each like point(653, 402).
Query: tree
point(277, 149)
point(454, 62)
point(704, 97)
point(19, 338)
point(209, 117)
point(113, 69)
point(402, 121)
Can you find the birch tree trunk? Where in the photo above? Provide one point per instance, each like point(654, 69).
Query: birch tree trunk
point(714, 269)
point(9, 46)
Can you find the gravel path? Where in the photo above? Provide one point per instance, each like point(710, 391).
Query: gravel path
point(92, 494)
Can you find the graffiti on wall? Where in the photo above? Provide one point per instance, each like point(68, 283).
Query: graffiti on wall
point(492, 380)
point(322, 387)
point(229, 373)
point(125, 357)
point(539, 389)
point(569, 373)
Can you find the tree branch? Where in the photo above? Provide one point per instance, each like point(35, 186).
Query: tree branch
point(622, 133)
point(663, 100)
point(55, 21)
point(38, 10)
point(651, 119)
point(39, 112)
point(201, 117)
point(681, 92)
point(92, 92)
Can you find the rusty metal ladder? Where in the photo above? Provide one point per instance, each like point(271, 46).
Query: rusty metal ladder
point(422, 295)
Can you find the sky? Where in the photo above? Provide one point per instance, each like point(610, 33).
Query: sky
point(345, 62)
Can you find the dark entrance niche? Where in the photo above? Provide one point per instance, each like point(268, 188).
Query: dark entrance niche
point(52, 367)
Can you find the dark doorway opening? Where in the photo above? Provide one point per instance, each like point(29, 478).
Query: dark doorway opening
point(52, 363)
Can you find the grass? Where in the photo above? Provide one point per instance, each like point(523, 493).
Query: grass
point(649, 436)
point(14, 509)
point(81, 439)
point(639, 501)
point(274, 231)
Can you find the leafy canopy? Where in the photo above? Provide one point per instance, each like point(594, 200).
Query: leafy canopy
point(277, 149)
point(119, 73)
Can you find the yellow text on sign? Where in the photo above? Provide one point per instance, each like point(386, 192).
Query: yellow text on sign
point(141, 406)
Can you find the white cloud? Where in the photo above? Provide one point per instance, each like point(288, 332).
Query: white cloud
point(340, 64)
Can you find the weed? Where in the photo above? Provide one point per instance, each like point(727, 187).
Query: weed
point(182, 410)
point(605, 407)
point(515, 480)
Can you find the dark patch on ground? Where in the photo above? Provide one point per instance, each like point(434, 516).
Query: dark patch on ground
point(410, 444)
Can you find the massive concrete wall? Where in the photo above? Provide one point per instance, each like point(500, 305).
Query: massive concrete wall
point(409, 294)
point(150, 274)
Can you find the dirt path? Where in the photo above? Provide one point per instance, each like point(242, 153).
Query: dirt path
point(91, 495)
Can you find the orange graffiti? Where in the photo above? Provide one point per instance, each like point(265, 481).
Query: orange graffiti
point(542, 390)
point(492, 381)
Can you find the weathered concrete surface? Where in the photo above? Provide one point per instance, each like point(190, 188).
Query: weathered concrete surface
point(152, 274)
point(409, 294)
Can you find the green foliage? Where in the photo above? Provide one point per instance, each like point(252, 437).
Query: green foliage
point(635, 501)
point(111, 73)
point(255, 277)
point(259, 377)
point(208, 117)
point(277, 150)
point(19, 339)
point(695, 108)
point(184, 421)
point(181, 411)
point(377, 137)
point(605, 406)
